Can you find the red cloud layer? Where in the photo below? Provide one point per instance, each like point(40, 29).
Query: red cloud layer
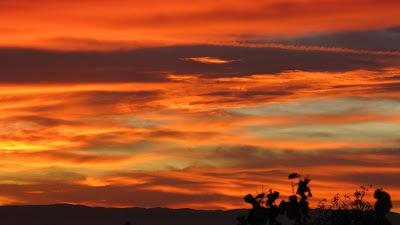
point(105, 25)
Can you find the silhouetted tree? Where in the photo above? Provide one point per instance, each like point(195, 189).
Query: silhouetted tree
point(344, 209)
point(273, 209)
point(264, 212)
point(295, 209)
point(258, 214)
point(382, 206)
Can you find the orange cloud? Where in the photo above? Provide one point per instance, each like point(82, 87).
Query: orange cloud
point(198, 141)
point(66, 25)
point(57, 117)
point(205, 109)
point(210, 60)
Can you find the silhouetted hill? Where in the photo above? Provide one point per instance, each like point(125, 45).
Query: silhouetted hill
point(83, 215)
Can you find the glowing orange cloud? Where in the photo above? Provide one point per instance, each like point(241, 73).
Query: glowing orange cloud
point(211, 105)
point(210, 60)
point(103, 25)
point(198, 139)
point(50, 117)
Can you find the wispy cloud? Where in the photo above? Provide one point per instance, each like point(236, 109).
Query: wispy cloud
point(211, 60)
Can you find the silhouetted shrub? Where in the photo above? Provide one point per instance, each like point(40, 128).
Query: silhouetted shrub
point(343, 209)
point(266, 211)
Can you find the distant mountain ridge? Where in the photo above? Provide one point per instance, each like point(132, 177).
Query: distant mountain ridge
point(64, 214)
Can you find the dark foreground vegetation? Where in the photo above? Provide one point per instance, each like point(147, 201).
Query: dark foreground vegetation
point(82, 215)
point(342, 210)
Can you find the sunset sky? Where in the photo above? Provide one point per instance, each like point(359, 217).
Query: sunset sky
point(196, 103)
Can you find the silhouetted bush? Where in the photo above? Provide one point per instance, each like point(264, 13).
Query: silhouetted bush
point(343, 209)
point(346, 209)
